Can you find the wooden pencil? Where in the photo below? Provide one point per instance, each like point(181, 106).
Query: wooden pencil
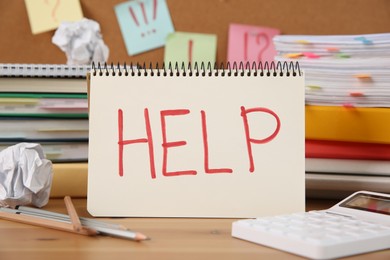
point(43, 223)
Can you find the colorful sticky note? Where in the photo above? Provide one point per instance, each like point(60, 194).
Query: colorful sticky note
point(364, 40)
point(293, 55)
point(313, 87)
point(333, 49)
point(356, 94)
point(311, 55)
point(363, 77)
point(348, 105)
point(248, 43)
point(302, 41)
point(191, 48)
point(342, 55)
point(144, 24)
point(46, 15)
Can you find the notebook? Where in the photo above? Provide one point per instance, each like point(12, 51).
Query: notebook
point(43, 78)
point(196, 140)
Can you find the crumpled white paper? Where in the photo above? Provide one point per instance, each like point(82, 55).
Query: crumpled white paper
point(81, 41)
point(25, 176)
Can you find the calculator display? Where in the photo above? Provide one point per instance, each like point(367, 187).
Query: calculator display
point(368, 202)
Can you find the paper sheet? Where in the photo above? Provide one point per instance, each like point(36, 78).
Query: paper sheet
point(25, 176)
point(82, 42)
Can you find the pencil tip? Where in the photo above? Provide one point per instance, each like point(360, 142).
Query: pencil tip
point(140, 236)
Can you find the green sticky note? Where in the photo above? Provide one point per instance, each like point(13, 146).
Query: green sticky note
point(190, 48)
point(343, 56)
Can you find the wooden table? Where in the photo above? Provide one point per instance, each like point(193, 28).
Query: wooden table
point(172, 238)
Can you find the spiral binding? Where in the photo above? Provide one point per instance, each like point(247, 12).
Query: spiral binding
point(43, 70)
point(267, 69)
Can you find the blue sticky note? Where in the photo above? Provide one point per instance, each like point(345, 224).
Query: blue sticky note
point(145, 24)
point(364, 40)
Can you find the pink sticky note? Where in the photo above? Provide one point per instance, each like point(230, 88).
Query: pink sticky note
point(310, 55)
point(249, 43)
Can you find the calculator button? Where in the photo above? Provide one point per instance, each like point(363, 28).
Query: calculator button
point(295, 235)
point(353, 234)
point(277, 231)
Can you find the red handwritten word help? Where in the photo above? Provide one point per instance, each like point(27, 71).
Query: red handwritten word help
point(169, 144)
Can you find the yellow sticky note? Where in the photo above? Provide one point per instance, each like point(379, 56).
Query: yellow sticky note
point(24, 101)
point(293, 55)
point(46, 15)
point(302, 42)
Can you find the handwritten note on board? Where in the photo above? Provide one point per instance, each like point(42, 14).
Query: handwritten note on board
point(144, 24)
point(46, 15)
point(190, 48)
point(249, 43)
point(196, 146)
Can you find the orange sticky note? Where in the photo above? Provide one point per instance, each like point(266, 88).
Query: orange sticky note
point(363, 76)
point(333, 49)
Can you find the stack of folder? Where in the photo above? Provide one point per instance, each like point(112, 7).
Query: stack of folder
point(347, 93)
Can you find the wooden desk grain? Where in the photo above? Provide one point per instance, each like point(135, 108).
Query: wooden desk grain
point(171, 239)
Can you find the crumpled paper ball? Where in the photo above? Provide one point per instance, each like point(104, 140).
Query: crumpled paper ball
point(81, 41)
point(25, 176)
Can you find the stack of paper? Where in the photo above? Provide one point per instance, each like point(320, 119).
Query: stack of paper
point(347, 94)
point(345, 70)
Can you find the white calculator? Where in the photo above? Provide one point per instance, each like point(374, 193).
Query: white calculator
point(358, 224)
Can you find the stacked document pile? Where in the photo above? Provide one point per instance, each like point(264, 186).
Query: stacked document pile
point(341, 70)
point(347, 93)
point(45, 104)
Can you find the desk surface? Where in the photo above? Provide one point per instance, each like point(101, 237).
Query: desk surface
point(180, 238)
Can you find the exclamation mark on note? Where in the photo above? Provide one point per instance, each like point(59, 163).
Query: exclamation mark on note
point(190, 50)
point(246, 46)
point(145, 17)
point(133, 16)
point(144, 12)
point(154, 9)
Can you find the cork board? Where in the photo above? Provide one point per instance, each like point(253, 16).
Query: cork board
point(321, 17)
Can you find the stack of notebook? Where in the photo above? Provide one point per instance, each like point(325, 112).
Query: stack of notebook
point(347, 110)
point(47, 104)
